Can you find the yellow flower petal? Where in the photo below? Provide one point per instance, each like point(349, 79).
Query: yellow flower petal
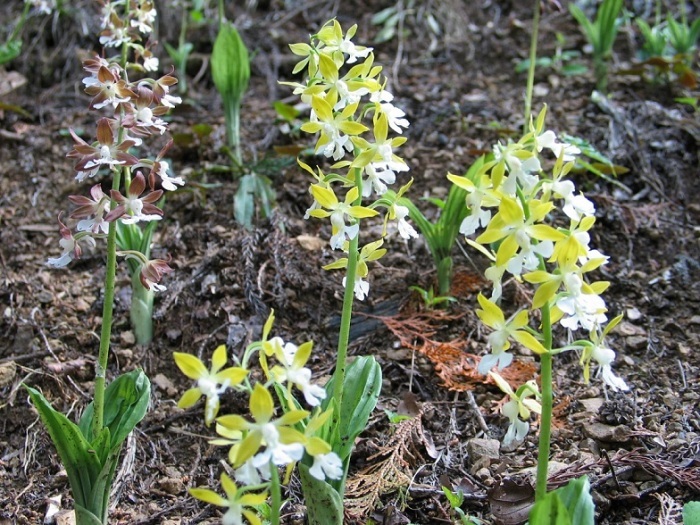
point(189, 398)
point(208, 496)
point(218, 360)
point(528, 340)
point(261, 404)
point(235, 375)
point(190, 365)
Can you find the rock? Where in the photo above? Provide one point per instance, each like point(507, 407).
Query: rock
point(127, 338)
point(8, 371)
point(638, 342)
point(482, 453)
point(592, 404)
point(633, 314)
point(165, 384)
point(608, 433)
point(310, 242)
point(628, 329)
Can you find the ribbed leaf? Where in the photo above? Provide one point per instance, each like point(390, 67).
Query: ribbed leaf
point(323, 503)
point(77, 456)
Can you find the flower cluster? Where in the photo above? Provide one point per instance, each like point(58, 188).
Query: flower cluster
point(134, 108)
point(511, 197)
point(264, 442)
point(341, 102)
point(118, 31)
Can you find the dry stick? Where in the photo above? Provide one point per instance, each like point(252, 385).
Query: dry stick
point(479, 418)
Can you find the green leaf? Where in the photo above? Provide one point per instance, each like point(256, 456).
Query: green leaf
point(571, 504)
point(230, 63)
point(363, 382)
point(691, 513)
point(9, 51)
point(550, 511)
point(77, 456)
point(126, 403)
point(85, 517)
point(323, 503)
point(244, 201)
point(286, 112)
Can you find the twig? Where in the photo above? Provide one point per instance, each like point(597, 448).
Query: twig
point(479, 418)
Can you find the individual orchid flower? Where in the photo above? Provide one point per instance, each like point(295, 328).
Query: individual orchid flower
point(140, 118)
point(395, 116)
point(71, 246)
point(399, 213)
point(517, 232)
point(238, 502)
point(370, 252)
point(133, 208)
point(115, 33)
point(335, 129)
point(210, 383)
point(480, 195)
point(292, 371)
point(143, 17)
point(91, 211)
point(104, 153)
point(161, 91)
point(107, 88)
point(499, 340)
point(152, 272)
point(580, 305)
point(327, 464)
point(332, 36)
point(598, 351)
point(517, 409)
point(159, 170)
point(522, 167)
point(339, 212)
point(283, 444)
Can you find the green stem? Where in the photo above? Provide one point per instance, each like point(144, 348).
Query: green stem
point(531, 69)
point(20, 24)
point(108, 304)
point(346, 317)
point(107, 311)
point(546, 401)
point(232, 108)
point(182, 65)
point(600, 67)
point(275, 495)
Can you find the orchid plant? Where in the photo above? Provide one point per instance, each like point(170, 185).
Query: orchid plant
point(365, 163)
point(90, 450)
point(512, 198)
